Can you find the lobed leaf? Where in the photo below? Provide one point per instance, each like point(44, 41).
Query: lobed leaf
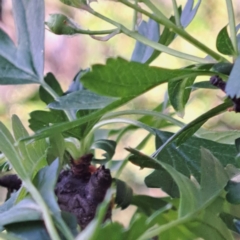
point(189, 129)
point(120, 78)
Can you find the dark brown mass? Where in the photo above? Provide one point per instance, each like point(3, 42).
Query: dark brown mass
point(79, 190)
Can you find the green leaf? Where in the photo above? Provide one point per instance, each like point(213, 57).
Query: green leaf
point(147, 204)
point(137, 227)
point(113, 231)
point(7, 147)
point(26, 210)
point(189, 129)
point(196, 198)
point(108, 146)
point(45, 182)
point(24, 64)
point(209, 225)
point(29, 230)
point(81, 100)
point(233, 187)
point(34, 154)
point(124, 194)
point(120, 78)
point(179, 93)
point(226, 137)
point(162, 179)
point(233, 86)
point(44, 95)
point(224, 43)
point(223, 67)
point(185, 159)
point(56, 149)
point(41, 119)
point(203, 84)
point(66, 126)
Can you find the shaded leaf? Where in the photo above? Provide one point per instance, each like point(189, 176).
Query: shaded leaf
point(223, 67)
point(45, 182)
point(81, 100)
point(224, 44)
point(44, 95)
point(147, 204)
point(26, 210)
point(108, 146)
point(203, 84)
point(179, 93)
point(124, 194)
point(185, 159)
point(162, 179)
point(7, 147)
point(69, 126)
point(233, 187)
point(227, 137)
point(56, 149)
point(33, 230)
point(24, 64)
point(34, 154)
point(137, 227)
point(189, 129)
point(196, 198)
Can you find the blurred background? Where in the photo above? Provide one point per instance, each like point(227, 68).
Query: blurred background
point(65, 56)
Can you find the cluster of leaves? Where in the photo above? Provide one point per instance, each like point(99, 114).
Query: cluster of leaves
point(199, 173)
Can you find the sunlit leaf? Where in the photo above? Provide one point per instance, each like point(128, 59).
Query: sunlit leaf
point(120, 78)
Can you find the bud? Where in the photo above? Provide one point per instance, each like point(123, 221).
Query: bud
point(61, 24)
